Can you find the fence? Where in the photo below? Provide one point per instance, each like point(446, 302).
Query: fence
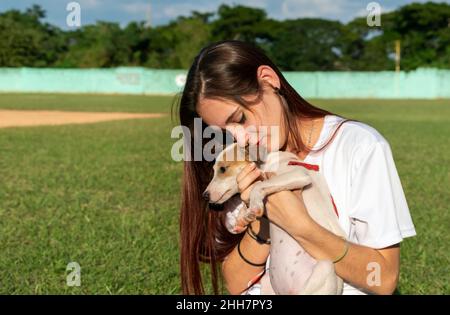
point(421, 84)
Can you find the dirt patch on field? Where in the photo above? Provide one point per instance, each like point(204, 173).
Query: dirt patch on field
point(24, 118)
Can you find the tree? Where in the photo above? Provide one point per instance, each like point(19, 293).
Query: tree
point(425, 33)
point(26, 41)
point(302, 44)
point(241, 23)
point(176, 44)
point(308, 45)
point(423, 30)
point(99, 45)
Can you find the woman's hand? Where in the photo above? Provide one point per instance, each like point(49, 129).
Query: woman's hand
point(246, 179)
point(284, 206)
point(287, 209)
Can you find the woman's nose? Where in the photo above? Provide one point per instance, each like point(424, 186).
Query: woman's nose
point(239, 134)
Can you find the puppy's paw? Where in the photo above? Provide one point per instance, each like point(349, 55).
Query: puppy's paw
point(244, 218)
point(256, 204)
point(238, 229)
point(249, 216)
point(233, 220)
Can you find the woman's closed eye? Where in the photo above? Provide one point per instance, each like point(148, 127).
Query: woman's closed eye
point(243, 119)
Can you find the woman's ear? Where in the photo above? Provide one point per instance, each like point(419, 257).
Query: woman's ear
point(267, 77)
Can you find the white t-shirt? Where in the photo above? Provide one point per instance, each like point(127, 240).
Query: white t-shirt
point(362, 178)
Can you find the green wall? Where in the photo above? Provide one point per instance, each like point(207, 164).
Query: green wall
point(422, 83)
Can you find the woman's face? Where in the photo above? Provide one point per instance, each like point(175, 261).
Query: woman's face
point(261, 124)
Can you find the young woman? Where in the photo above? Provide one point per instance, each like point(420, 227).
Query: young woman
point(232, 83)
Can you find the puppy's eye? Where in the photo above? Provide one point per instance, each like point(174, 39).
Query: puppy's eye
point(222, 169)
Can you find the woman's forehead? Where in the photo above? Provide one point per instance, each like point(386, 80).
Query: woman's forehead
point(216, 111)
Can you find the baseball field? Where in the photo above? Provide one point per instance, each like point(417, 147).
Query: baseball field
point(105, 192)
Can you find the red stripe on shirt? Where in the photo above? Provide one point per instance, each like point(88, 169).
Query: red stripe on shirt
point(334, 206)
point(312, 167)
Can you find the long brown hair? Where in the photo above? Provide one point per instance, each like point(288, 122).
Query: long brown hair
point(227, 70)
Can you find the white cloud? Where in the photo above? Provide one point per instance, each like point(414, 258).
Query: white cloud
point(312, 8)
point(175, 10)
point(89, 4)
point(136, 8)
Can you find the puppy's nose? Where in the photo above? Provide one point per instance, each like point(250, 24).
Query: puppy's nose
point(206, 195)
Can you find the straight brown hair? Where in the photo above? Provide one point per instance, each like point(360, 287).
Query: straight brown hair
point(227, 70)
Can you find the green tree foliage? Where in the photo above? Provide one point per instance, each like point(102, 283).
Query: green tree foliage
point(176, 44)
point(302, 44)
point(308, 44)
point(240, 23)
point(26, 41)
point(425, 33)
point(100, 45)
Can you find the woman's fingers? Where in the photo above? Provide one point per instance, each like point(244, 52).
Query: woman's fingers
point(246, 179)
point(249, 178)
point(245, 171)
point(245, 194)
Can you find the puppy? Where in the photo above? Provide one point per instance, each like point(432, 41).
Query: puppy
point(291, 269)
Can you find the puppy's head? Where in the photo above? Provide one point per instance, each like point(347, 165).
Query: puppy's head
point(228, 165)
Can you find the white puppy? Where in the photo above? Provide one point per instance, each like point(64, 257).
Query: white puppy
point(292, 270)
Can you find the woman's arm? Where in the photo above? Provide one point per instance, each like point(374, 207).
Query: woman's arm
point(236, 272)
point(362, 266)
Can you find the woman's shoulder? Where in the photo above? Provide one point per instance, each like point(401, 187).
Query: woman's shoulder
point(356, 135)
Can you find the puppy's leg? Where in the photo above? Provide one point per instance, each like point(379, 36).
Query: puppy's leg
point(294, 179)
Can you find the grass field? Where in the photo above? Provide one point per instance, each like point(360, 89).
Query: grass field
point(106, 195)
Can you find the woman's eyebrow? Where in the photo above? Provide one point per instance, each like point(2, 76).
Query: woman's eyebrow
point(231, 116)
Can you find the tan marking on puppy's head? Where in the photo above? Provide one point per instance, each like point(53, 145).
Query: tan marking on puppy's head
point(228, 165)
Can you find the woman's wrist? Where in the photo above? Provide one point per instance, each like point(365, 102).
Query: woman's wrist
point(258, 231)
point(252, 250)
point(287, 210)
point(259, 237)
point(255, 225)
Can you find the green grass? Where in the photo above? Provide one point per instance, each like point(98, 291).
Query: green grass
point(89, 103)
point(106, 195)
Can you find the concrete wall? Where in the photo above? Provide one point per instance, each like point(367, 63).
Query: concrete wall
point(422, 83)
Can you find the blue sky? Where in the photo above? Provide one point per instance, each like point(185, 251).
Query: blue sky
point(160, 11)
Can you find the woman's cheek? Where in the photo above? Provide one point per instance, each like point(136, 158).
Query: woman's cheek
point(273, 142)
